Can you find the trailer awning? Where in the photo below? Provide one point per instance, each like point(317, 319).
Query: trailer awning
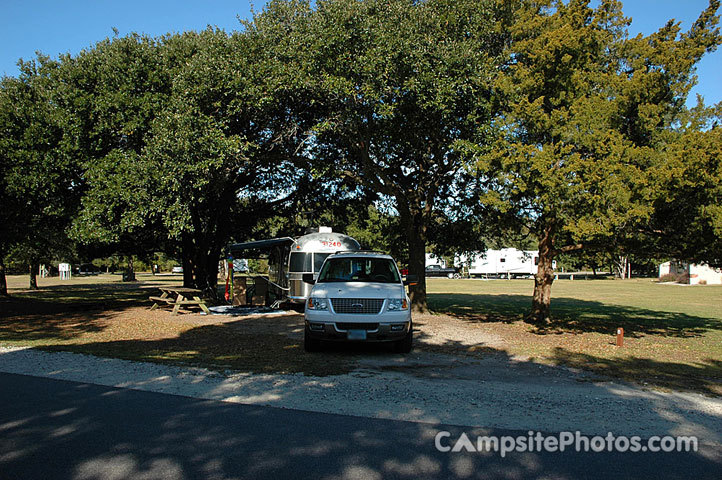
point(244, 249)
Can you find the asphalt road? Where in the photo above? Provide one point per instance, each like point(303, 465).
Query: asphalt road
point(59, 429)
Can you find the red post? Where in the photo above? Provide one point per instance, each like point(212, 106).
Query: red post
point(229, 280)
point(620, 337)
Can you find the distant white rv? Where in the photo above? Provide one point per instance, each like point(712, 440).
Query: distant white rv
point(432, 259)
point(507, 262)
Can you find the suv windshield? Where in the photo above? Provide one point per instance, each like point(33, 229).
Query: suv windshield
point(359, 269)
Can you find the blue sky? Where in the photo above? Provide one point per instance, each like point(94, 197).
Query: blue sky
point(54, 27)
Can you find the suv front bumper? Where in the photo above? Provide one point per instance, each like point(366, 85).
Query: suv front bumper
point(386, 327)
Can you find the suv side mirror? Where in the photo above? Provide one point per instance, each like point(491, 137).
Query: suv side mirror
point(411, 280)
point(308, 278)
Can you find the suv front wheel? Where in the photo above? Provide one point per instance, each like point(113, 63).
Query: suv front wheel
point(404, 345)
point(310, 344)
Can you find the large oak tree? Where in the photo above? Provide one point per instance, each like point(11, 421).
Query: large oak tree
point(396, 85)
point(177, 134)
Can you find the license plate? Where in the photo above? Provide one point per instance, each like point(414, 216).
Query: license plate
point(356, 335)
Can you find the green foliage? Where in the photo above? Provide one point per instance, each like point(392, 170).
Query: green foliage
point(395, 86)
point(376, 230)
point(112, 94)
point(585, 114)
point(687, 219)
point(584, 109)
point(170, 144)
point(37, 181)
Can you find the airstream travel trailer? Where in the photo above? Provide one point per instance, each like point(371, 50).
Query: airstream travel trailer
point(289, 258)
point(307, 255)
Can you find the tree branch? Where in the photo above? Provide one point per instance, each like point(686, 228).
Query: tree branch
point(570, 248)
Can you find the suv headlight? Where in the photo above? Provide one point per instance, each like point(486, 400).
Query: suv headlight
point(315, 303)
point(397, 304)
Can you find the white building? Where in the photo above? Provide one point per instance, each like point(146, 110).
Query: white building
point(697, 274)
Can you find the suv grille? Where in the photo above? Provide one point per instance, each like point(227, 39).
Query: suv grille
point(357, 305)
point(357, 326)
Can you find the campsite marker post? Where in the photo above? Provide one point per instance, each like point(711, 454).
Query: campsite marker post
point(229, 279)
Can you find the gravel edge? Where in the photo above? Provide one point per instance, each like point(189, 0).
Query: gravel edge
point(457, 397)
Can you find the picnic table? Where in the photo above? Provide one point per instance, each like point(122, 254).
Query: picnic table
point(179, 297)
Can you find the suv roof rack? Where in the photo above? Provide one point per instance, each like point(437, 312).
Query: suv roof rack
point(360, 251)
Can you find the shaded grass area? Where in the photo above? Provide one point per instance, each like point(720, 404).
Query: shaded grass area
point(105, 317)
point(141, 335)
point(220, 347)
point(673, 333)
point(65, 310)
point(698, 374)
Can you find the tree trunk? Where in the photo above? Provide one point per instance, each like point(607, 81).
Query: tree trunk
point(206, 271)
point(200, 263)
point(541, 301)
point(416, 240)
point(188, 269)
point(129, 275)
point(417, 267)
point(34, 267)
point(620, 267)
point(3, 279)
point(187, 261)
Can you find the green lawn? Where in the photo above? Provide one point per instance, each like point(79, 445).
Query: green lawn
point(642, 294)
point(640, 305)
point(673, 333)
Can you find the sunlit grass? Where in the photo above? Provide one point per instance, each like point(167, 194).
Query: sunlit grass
point(673, 333)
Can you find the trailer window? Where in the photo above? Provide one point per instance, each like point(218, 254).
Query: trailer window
point(318, 259)
point(300, 262)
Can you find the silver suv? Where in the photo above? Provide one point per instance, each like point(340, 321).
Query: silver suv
point(358, 297)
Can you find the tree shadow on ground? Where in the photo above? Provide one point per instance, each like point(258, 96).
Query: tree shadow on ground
point(570, 315)
point(231, 345)
point(66, 311)
point(265, 345)
point(480, 307)
point(223, 346)
point(72, 298)
point(91, 431)
point(703, 377)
